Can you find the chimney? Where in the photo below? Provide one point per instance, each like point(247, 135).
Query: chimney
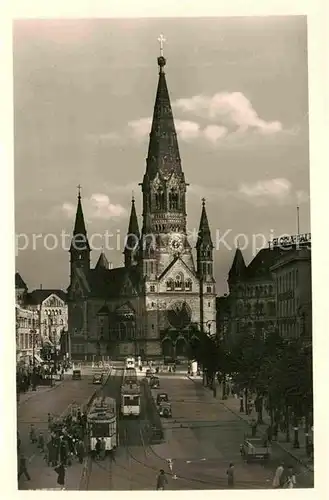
point(110, 265)
point(40, 286)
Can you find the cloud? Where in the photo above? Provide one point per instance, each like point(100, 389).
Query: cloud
point(278, 191)
point(230, 109)
point(98, 206)
point(226, 118)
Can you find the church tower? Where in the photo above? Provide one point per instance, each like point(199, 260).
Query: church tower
point(79, 249)
point(204, 249)
point(164, 189)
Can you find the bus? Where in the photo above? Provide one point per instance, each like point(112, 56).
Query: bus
point(102, 423)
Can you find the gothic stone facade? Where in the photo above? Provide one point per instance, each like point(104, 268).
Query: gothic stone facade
point(153, 304)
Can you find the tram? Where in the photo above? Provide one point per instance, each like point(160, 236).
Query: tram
point(102, 423)
point(130, 362)
point(130, 400)
point(129, 376)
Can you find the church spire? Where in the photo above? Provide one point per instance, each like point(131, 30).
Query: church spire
point(79, 226)
point(79, 249)
point(133, 237)
point(204, 235)
point(163, 153)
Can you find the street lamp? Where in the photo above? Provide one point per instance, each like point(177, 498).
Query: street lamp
point(33, 332)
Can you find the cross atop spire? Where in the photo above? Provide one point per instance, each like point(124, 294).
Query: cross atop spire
point(203, 201)
point(161, 41)
point(79, 191)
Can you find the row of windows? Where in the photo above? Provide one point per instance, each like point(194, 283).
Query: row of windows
point(206, 268)
point(25, 341)
point(288, 281)
point(179, 284)
point(27, 323)
point(53, 312)
point(173, 203)
point(259, 309)
point(55, 321)
point(255, 291)
point(289, 330)
point(288, 307)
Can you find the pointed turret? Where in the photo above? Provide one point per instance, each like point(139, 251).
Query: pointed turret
point(204, 235)
point(102, 262)
point(238, 267)
point(133, 237)
point(204, 247)
point(79, 249)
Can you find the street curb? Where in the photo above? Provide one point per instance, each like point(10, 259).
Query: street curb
point(55, 386)
point(310, 468)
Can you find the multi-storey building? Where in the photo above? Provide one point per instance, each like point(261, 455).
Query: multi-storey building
point(292, 275)
point(28, 340)
point(252, 294)
point(152, 305)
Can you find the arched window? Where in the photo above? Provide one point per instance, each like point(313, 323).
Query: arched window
point(188, 285)
point(173, 200)
point(160, 200)
point(179, 282)
point(170, 285)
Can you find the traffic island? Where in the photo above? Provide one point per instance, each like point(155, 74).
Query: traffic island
point(154, 429)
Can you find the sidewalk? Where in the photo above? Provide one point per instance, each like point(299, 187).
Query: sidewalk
point(233, 405)
point(24, 397)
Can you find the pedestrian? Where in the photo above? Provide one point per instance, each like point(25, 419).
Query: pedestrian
point(22, 467)
point(80, 451)
point(290, 481)
point(103, 449)
point(161, 480)
point(278, 476)
point(230, 476)
point(269, 434)
point(50, 421)
point(253, 425)
point(98, 446)
point(33, 435)
point(41, 442)
point(61, 475)
point(18, 441)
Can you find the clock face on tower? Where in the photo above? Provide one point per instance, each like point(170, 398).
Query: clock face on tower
point(179, 314)
point(176, 243)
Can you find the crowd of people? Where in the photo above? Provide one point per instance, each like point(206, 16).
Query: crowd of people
point(61, 445)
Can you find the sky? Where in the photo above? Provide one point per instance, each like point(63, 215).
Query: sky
point(84, 93)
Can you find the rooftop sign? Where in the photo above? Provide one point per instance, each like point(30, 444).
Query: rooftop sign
point(291, 241)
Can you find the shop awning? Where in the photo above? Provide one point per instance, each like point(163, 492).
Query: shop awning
point(38, 359)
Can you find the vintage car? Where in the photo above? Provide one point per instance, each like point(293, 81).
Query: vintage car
point(163, 405)
point(255, 448)
point(154, 382)
point(98, 378)
point(76, 375)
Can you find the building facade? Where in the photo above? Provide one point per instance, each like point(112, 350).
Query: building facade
point(28, 341)
point(293, 283)
point(253, 294)
point(152, 305)
point(51, 309)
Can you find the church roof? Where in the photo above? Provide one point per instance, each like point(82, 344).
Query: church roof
point(110, 283)
point(163, 153)
point(238, 267)
point(102, 262)
point(36, 297)
point(204, 235)
point(19, 282)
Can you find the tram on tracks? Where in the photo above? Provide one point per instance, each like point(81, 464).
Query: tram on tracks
point(130, 362)
point(129, 376)
point(102, 423)
point(130, 399)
